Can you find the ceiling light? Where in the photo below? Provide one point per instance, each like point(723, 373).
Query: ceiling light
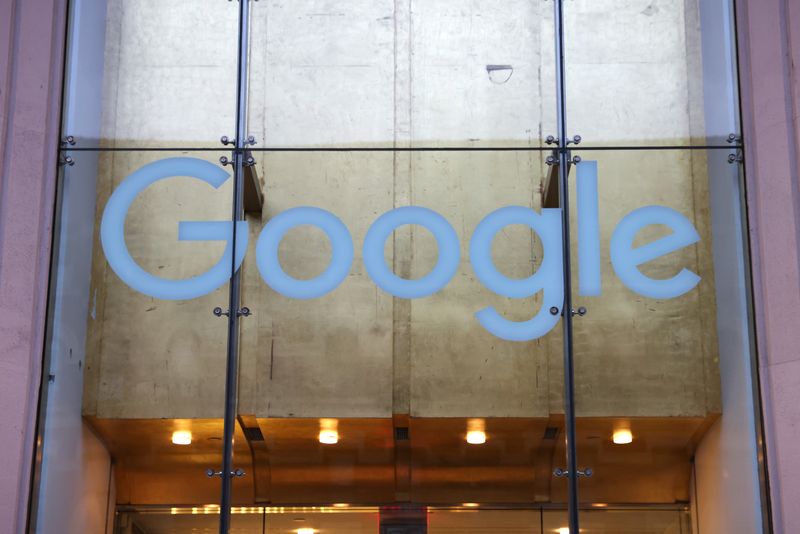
point(476, 437)
point(182, 437)
point(329, 437)
point(470, 505)
point(476, 431)
point(341, 505)
point(622, 436)
point(563, 530)
point(328, 431)
point(306, 531)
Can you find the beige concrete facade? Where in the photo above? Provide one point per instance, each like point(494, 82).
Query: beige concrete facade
point(400, 74)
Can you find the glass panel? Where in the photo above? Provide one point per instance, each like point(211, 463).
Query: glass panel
point(361, 520)
point(623, 521)
point(135, 400)
point(663, 357)
point(641, 72)
point(152, 73)
point(382, 73)
point(253, 520)
point(352, 397)
point(318, 431)
point(463, 380)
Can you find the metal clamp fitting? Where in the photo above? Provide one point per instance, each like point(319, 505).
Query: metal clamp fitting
point(581, 473)
point(243, 312)
point(211, 473)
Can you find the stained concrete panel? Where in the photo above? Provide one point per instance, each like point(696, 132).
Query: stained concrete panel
point(150, 357)
point(330, 356)
point(170, 74)
point(396, 74)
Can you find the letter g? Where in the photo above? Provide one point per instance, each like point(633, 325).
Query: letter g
point(112, 232)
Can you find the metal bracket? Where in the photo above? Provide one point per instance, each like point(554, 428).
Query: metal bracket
point(249, 161)
point(552, 159)
point(66, 160)
point(580, 311)
point(553, 140)
point(581, 473)
point(243, 312)
point(211, 473)
point(68, 140)
point(738, 157)
point(225, 140)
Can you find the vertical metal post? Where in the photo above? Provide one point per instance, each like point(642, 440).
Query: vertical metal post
point(566, 312)
point(232, 367)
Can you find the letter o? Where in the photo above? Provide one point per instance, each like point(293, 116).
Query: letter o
point(446, 239)
point(270, 239)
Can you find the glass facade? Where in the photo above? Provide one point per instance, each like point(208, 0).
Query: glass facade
point(402, 267)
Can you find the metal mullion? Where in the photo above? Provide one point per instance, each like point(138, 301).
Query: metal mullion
point(566, 312)
point(234, 297)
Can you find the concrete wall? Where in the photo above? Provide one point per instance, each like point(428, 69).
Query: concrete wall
point(398, 74)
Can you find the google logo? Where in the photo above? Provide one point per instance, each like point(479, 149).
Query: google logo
point(548, 278)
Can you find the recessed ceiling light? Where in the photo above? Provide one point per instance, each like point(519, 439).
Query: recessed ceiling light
point(470, 505)
point(306, 531)
point(328, 431)
point(182, 437)
point(476, 437)
point(563, 530)
point(622, 436)
point(476, 431)
point(329, 437)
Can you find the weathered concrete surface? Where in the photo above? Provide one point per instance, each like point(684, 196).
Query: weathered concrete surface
point(408, 74)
